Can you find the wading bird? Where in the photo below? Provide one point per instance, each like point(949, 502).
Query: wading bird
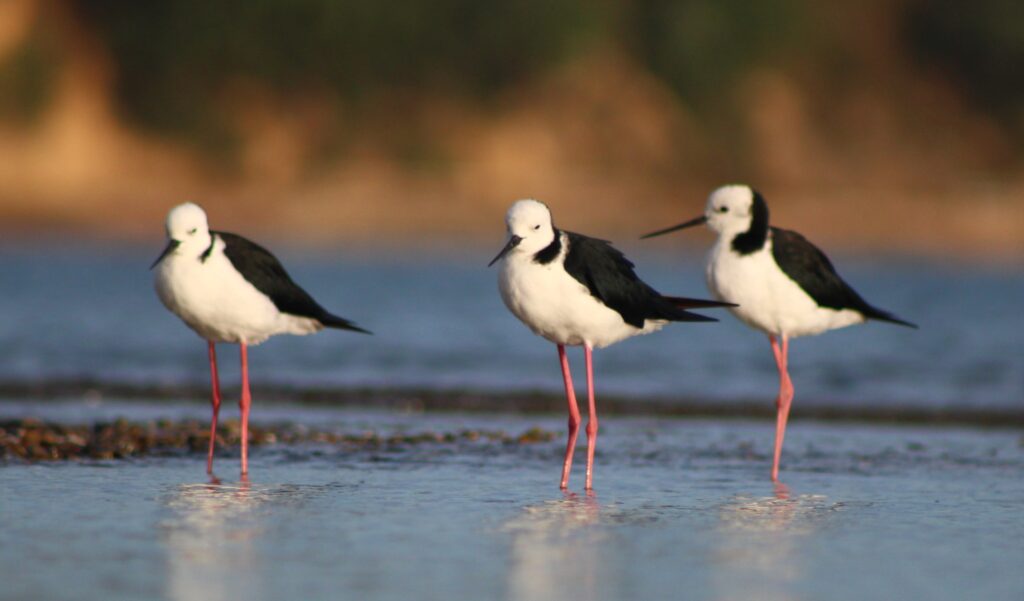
point(578, 291)
point(781, 283)
point(228, 289)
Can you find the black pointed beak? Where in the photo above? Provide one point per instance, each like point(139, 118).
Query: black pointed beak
point(171, 245)
point(698, 221)
point(512, 243)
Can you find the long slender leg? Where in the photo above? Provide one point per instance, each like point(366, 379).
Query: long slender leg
point(244, 404)
point(574, 416)
point(784, 400)
point(591, 417)
point(216, 406)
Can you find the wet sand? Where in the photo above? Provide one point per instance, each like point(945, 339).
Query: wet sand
point(54, 392)
point(35, 440)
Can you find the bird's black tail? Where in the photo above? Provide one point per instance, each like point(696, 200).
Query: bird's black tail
point(678, 305)
point(697, 303)
point(876, 313)
point(333, 321)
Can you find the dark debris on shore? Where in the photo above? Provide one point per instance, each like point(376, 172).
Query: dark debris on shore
point(527, 402)
point(35, 440)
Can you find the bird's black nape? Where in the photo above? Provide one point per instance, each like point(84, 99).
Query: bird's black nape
point(550, 252)
point(754, 238)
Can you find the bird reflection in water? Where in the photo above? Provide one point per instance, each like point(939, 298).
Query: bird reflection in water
point(758, 553)
point(213, 535)
point(556, 549)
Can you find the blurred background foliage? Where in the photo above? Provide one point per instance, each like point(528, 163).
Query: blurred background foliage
point(26, 77)
point(173, 59)
point(980, 45)
point(410, 103)
point(700, 47)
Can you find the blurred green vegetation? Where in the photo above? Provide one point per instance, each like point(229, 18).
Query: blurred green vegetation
point(701, 47)
point(174, 59)
point(27, 78)
point(979, 44)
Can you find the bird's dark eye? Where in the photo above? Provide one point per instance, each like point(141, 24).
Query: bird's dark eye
point(536, 227)
point(723, 209)
point(192, 231)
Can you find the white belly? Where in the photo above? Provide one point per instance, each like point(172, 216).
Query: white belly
point(557, 307)
point(219, 304)
point(768, 299)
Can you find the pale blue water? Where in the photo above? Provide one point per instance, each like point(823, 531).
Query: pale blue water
point(683, 508)
point(439, 324)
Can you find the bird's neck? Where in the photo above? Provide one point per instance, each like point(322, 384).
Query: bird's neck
point(550, 252)
point(200, 248)
point(754, 238)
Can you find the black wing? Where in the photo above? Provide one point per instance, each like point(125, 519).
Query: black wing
point(266, 273)
point(610, 278)
point(806, 265)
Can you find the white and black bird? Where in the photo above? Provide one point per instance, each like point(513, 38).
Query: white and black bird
point(578, 291)
point(228, 289)
point(781, 283)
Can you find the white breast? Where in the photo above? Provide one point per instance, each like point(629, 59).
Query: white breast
point(213, 299)
point(768, 299)
point(557, 307)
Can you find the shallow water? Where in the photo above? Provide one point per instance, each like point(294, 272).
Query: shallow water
point(683, 509)
point(86, 313)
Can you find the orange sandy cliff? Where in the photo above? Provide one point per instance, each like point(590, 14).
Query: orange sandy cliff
point(597, 138)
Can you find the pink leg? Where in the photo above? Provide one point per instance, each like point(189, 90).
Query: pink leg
point(244, 405)
point(784, 400)
point(216, 406)
point(781, 491)
point(591, 417)
point(574, 416)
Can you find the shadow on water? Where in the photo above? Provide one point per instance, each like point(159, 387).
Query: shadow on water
point(760, 550)
point(213, 536)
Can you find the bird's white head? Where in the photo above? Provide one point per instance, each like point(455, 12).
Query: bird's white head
point(187, 231)
point(730, 211)
point(187, 221)
point(530, 228)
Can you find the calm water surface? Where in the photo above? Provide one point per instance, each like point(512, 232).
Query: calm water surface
point(439, 324)
point(682, 510)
